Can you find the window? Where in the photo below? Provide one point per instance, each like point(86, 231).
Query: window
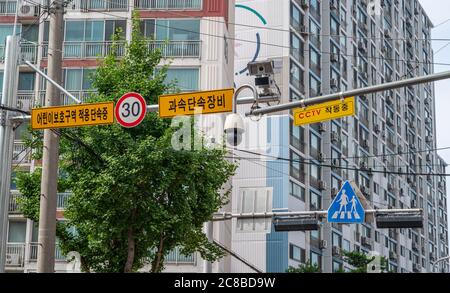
point(187, 78)
point(297, 191)
point(147, 27)
point(346, 245)
point(16, 232)
point(316, 259)
point(314, 86)
point(297, 77)
point(315, 201)
point(296, 253)
point(77, 79)
point(178, 29)
point(337, 239)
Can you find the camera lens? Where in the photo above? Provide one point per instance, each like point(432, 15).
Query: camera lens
point(261, 68)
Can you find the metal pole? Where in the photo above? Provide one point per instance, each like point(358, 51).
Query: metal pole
point(438, 261)
point(52, 81)
point(7, 139)
point(356, 92)
point(49, 181)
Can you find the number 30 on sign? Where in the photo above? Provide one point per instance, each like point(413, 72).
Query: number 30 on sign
point(130, 110)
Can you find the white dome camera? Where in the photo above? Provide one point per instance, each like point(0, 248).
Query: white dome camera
point(234, 128)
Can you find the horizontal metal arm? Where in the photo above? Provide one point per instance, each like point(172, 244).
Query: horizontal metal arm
point(352, 93)
point(228, 216)
point(52, 82)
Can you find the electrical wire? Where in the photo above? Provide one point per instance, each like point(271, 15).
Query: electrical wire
point(369, 156)
point(270, 28)
point(277, 45)
point(366, 170)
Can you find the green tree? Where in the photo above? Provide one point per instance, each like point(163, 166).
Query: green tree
point(134, 197)
point(304, 268)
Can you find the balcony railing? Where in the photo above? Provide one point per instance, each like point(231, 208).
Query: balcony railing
point(28, 51)
point(8, 7)
point(33, 253)
point(169, 4)
point(63, 197)
point(65, 100)
point(101, 5)
point(20, 154)
point(86, 50)
point(175, 257)
point(13, 205)
point(25, 100)
point(15, 254)
point(181, 49)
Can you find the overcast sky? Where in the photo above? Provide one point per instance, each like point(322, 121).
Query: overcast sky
point(438, 11)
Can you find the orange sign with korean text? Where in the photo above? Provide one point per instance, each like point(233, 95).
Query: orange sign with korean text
point(325, 111)
point(72, 115)
point(206, 102)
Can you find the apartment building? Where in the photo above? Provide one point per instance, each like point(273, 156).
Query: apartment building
point(194, 34)
point(388, 148)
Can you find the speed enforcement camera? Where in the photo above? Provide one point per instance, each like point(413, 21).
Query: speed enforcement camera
point(374, 267)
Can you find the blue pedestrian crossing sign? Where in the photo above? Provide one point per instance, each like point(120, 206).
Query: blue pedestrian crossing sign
point(346, 207)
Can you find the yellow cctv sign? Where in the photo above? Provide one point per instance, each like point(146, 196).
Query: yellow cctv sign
point(325, 111)
point(206, 102)
point(72, 115)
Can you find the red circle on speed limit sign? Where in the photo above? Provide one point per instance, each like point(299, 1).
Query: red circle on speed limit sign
point(130, 110)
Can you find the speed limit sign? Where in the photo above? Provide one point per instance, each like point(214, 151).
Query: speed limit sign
point(130, 110)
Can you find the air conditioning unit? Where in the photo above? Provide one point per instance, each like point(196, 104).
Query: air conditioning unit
point(323, 244)
point(27, 9)
point(428, 120)
point(392, 255)
point(416, 267)
point(431, 256)
point(333, 5)
point(441, 184)
point(365, 241)
point(334, 136)
point(322, 185)
point(13, 259)
point(390, 121)
point(389, 100)
point(336, 251)
point(427, 101)
point(376, 128)
point(400, 148)
point(390, 187)
point(304, 30)
point(363, 164)
point(365, 75)
point(334, 191)
point(333, 83)
point(365, 143)
point(429, 138)
point(387, 33)
point(362, 46)
point(322, 127)
point(304, 4)
point(321, 157)
point(429, 157)
point(442, 237)
point(334, 58)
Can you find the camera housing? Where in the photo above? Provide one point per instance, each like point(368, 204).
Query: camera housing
point(234, 128)
point(260, 68)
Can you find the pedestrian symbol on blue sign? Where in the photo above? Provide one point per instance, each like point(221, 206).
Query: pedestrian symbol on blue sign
point(346, 207)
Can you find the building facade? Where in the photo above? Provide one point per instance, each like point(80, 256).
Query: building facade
point(388, 148)
point(194, 35)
